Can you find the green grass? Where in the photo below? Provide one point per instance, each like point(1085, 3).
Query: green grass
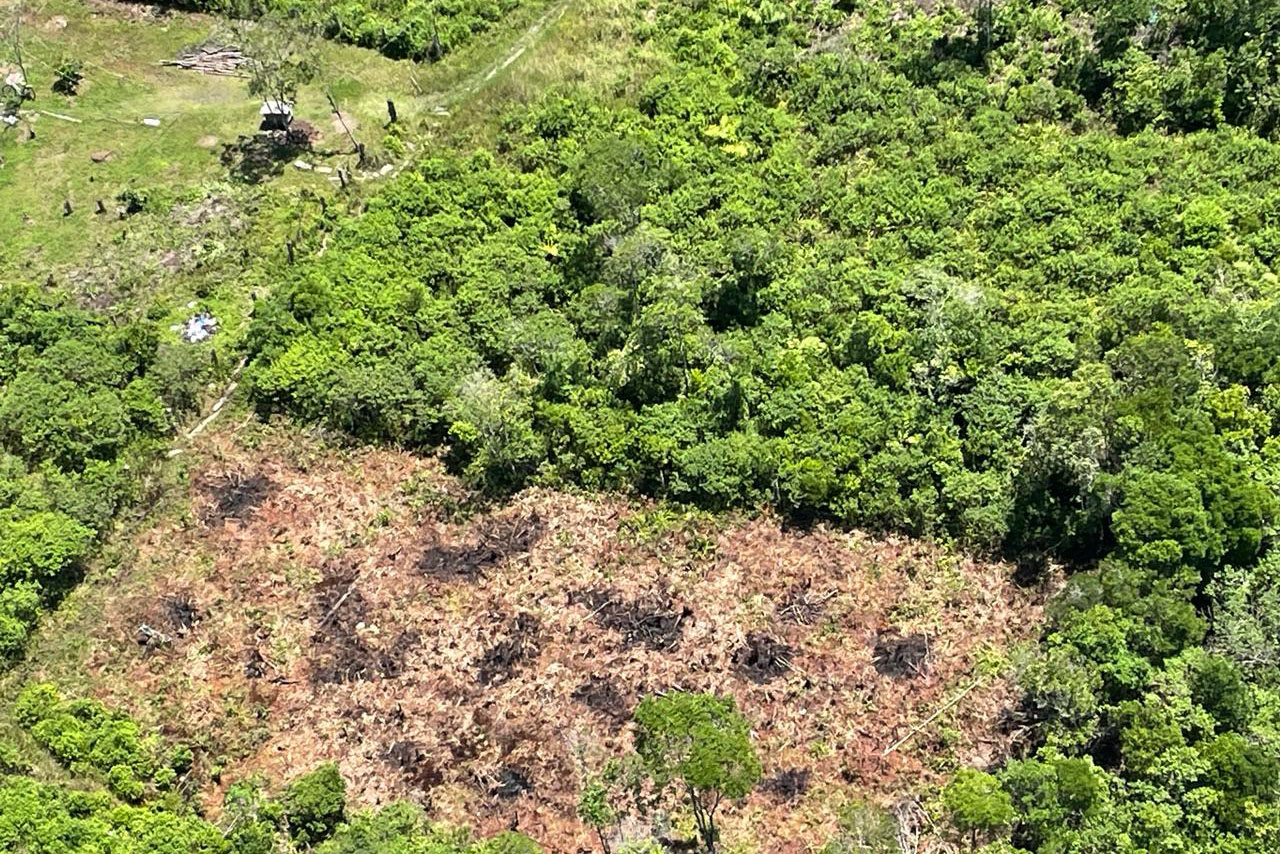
point(124, 84)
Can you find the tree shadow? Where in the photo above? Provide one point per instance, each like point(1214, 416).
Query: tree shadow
point(254, 159)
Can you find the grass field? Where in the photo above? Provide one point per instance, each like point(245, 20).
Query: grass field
point(122, 45)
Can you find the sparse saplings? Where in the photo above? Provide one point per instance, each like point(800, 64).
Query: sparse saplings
point(702, 745)
point(68, 76)
point(596, 811)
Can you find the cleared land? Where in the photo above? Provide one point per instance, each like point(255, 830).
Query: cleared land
point(319, 603)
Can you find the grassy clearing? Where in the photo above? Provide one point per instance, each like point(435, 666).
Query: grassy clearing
point(121, 47)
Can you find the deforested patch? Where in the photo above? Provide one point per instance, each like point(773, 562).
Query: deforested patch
point(182, 612)
point(763, 658)
point(502, 660)
point(511, 782)
point(787, 784)
point(415, 764)
point(494, 540)
point(601, 695)
point(234, 496)
point(339, 651)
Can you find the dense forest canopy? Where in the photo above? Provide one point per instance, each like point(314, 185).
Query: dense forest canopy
point(1002, 274)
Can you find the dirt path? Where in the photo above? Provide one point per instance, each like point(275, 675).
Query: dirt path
point(530, 36)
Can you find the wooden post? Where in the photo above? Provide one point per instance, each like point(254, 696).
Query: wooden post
point(360, 151)
point(333, 105)
point(101, 207)
point(391, 111)
point(66, 207)
point(288, 245)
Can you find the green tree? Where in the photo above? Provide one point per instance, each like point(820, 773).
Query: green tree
point(977, 804)
point(315, 804)
point(701, 743)
point(282, 55)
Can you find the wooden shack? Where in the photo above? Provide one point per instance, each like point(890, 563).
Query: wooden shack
point(276, 115)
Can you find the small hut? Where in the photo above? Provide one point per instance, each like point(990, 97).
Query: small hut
point(276, 115)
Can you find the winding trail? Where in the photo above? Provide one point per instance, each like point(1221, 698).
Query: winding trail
point(527, 39)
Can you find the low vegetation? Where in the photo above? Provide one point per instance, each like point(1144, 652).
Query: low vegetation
point(83, 405)
point(401, 29)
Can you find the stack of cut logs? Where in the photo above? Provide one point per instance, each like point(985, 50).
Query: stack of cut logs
point(222, 60)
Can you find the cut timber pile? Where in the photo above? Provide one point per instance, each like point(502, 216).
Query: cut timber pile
point(224, 60)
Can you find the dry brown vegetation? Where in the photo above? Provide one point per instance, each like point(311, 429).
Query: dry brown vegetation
point(319, 603)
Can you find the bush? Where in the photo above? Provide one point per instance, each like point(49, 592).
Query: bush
point(977, 804)
point(11, 761)
point(19, 606)
point(124, 784)
point(314, 805)
point(88, 738)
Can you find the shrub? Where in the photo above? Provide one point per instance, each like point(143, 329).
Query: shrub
point(977, 804)
point(314, 805)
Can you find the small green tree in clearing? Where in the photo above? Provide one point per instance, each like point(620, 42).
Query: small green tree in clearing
point(282, 53)
point(702, 743)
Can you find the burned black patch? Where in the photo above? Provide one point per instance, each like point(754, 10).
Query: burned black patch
point(511, 782)
point(416, 765)
point(235, 496)
point(339, 653)
point(763, 658)
point(495, 541)
point(501, 661)
point(601, 695)
point(654, 620)
point(787, 785)
point(803, 605)
point(182, 613)
point(255, 666)
point(465, 744)
point(900, 657)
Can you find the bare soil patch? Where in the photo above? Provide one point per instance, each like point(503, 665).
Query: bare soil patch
point(338, 609)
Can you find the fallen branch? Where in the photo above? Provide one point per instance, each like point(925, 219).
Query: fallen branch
point(337, 605)
point(933, 717)
point(72, 119)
